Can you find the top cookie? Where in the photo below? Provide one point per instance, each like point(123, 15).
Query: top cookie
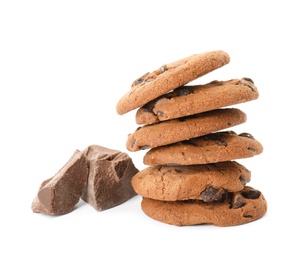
point(168, 77)
point(189, 100)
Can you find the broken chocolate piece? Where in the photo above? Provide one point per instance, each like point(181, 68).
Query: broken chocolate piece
point(59, 194)
point(109, 179)
point(212, 194)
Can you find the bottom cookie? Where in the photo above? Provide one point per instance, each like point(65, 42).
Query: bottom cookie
point(237, 208)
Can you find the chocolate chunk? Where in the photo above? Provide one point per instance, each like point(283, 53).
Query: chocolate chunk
point(246, 135)
point(248, 79)
point(59, 194)
point(109, 179)
point(183, 91)
point(145, 147)
point(237, 201)
point(243, 180)
point(251, 194)
point(140, 80)
point(162, 69)
point(212, 194)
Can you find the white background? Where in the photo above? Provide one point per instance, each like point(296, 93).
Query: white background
point(63, 67)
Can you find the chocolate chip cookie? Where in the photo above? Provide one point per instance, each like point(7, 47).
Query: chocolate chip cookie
point(235, 208)
point(175, 130)
point(210, 148)
point(189, 100)
point(168, 77)
point(204, 182)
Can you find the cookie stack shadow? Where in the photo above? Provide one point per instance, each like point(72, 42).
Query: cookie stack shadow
point(192, 175)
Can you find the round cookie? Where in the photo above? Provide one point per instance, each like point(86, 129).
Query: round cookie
point(237, 208)
point(175, 130)
point(168, 77)
point(210, 148)
point(207, 182)
point(189, 100)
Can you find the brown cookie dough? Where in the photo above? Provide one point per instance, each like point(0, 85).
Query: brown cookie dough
point(109, 180)
point(205, 182)
point(234, 209)
point(59, 194)
point(168, 77)
point(210, 148)
point(189, 100)
point(175, 130)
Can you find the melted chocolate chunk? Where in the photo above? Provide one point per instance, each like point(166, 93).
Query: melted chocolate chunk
point(183, 91)
point(251, 194)
point(212, 194)
point(246, 135)
point(237, 201)
point(248, 79)
point(221, 143)
point(243, 180)
point(140, 80)
point(162, 69)
point(145, 147)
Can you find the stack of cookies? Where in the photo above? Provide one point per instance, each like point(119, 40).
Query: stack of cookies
point(192, 176)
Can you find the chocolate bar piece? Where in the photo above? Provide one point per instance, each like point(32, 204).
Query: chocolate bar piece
point(109, 180)
point(59, 194)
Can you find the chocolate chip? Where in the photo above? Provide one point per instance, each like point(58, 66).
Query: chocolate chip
point(251, 149)
point(248, 79)
point(160, 113)
point(162, 69)
point(145, 147)
point(246, 135)
point(149, 80)
point(243, 180)
point(173, 164)
point(178, 171)
point(213, 136)
point(221, 143)
point(211, 194)
point(251, 194)
point(133, 143)
point(229, 132)
point(140, 80)
point(237, 202)
point(183, 91)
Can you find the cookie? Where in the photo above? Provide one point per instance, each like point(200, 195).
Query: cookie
point(168, 77)
point(175, 130)
point(204, 182)
point(189, 100)
point(109, 178)
point(59, 194)
point(210, 148)
point(234, 209)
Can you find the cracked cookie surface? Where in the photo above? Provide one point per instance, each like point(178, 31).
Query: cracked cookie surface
point(203, 182)
point(168, 77)
point(175, 130)
point(234, 209)
point(210, 148)
point(189, 100)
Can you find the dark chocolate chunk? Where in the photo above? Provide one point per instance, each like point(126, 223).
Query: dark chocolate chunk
point(246, 135)
point(140, 80)
point(162, 69)
point(237, 201)
point(212, 194)
point(59, 194)
point(248, 79)
point(251, 194)
point(109, 178)
point(183, 91)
